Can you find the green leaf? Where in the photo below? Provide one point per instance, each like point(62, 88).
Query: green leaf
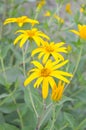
point(81, 125)
point(65, 99)
point(68, 117)
point(6, 126)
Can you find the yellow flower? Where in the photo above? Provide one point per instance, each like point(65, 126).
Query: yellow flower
point(69, 48)
point(45, 75)
point(32, 34)
point(68, 8)
point(81, 10)
point(57, 91)
point(21, 20)
point(58, 18)
point(81, 31)
point(40, 4)
point(52, 49)
point(47, 14)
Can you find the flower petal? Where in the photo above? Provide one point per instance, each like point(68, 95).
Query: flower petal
point(30, 78)
point(45, 88)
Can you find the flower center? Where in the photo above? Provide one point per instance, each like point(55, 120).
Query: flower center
point(49, 49)
point(45, 72)
point(83, 32)
point(31, 33)
point(21, 20)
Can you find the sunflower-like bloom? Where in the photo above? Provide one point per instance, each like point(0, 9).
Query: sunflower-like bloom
point(81, 31)
point(32, 34)
point(21, 20)
point(52, 49)
point(45, 74)
point(68, 8)
point(57, 91)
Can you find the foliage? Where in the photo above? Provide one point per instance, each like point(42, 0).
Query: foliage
point(29, 108)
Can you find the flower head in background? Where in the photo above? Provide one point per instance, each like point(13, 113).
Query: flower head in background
point(33, 34)
point(81, 31)
point(68, 8)
point(57, 91)
point(59, 19)
point(40, 4)
point(47, 13)
point(45, 74)
point(21, 20)
point(50, 49)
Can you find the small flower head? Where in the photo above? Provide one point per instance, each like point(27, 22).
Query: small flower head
point(81, 31)
point(50, 49)
point(21, 20)
point(68, 8)
point(40, 4)
point(57, 91)
point(81, 10)
point(32, 34)
point(59, 19)
point(45, 74)
point(47, 14)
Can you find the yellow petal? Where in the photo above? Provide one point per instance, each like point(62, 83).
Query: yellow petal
point(60, 64)
point(18, 38)
point(51, 82)
point(76, 32)
point(40, 55)
point(45, 88)
point(37, 64)
point(36, 51)
point(30, 78)
point(38, 82)
point(46, 56)
point(79, 27)
point(65, 73)
point(9, 20)
point(23, 41)
point(57, 75)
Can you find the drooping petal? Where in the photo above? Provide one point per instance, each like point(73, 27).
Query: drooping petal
point(40, 55)
point(36, 51)
point(18, 38)
point(38, 82)
point(23, 41)
point(30, 78)
point(45, 88)
point(38, 40)
point(51, 81)
point(46, 56)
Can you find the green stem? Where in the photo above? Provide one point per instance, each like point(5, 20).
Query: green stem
point(51, 18)
point(23, 54)
point(32, 102)
point(54, 118)
point(3, 69)
point(19, 113)
point(77, 64)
